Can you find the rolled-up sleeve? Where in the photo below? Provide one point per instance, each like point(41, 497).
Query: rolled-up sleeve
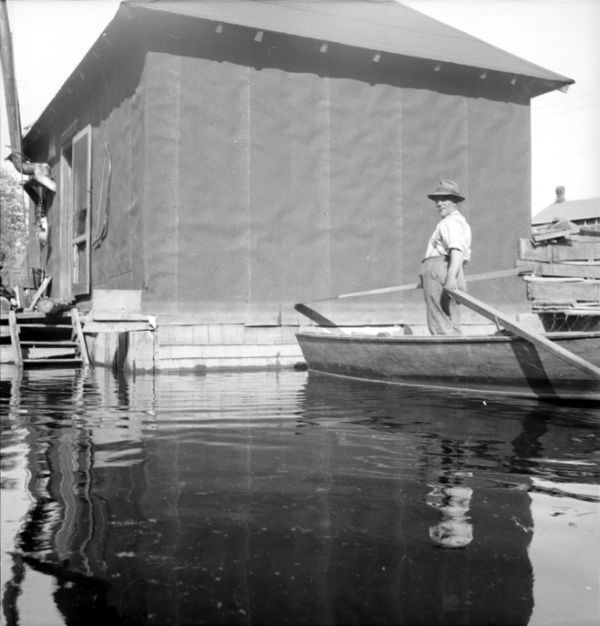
point(456, 234)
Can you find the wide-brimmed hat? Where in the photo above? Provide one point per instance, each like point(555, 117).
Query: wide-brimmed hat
point(447, 188)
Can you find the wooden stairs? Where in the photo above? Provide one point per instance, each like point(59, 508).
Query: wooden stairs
point(41, 340)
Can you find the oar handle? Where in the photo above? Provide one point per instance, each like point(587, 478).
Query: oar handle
point(410, 286)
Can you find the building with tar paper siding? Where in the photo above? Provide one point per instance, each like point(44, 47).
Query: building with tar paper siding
point(217, 162)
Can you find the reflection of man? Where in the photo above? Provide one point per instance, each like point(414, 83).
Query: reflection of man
point(455, 530)
point(449, 248)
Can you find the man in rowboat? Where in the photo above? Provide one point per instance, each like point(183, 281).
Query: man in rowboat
point(448, 250)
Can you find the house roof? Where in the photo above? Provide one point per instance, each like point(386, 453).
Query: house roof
point(572, 210)
point(384, 26)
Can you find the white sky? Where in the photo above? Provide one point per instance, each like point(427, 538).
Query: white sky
point(50, 37)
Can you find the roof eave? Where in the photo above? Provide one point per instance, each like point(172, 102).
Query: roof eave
point(536, 85)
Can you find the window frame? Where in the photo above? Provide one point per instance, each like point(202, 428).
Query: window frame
point(80, 246)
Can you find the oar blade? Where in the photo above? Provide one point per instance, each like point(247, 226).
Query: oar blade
point(536, 339)
point(315, 316)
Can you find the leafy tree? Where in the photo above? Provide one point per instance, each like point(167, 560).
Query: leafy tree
point(13, 221)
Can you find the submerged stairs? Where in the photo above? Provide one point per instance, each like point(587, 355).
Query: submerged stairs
point(41, 340)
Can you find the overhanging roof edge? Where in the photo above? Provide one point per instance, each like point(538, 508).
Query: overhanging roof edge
point(262, 16)
point(551, 80)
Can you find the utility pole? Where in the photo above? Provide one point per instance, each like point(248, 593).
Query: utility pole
point(10, 81)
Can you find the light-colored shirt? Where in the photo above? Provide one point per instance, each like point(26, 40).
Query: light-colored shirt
point(452, 231)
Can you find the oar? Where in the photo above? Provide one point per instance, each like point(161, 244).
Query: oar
point(323, 321)
point(313, 315)
point(537, 340)
point(409, 286)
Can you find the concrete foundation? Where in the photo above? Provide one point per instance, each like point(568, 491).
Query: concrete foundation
point(198, 347)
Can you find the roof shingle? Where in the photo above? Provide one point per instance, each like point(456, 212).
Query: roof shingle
point(380, 25)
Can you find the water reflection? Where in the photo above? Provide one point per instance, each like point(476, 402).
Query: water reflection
point(284, 498)
point(455, 529)
point(453, 459)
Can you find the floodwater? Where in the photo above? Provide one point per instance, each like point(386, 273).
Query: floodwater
point(289, 498)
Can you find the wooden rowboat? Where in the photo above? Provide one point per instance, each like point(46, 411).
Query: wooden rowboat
point(491, 364)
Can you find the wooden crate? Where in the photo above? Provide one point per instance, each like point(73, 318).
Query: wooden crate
point(567, 290)
point(577, 248)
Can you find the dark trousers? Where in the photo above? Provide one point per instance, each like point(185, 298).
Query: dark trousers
point(443, 313)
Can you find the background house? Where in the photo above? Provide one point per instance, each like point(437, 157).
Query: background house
point(583, 212)
point(224, 160)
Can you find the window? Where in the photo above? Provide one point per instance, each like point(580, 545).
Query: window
point(76, 204)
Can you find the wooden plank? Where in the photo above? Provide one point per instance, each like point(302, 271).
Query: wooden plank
point(79, 334)
point(29, 315)
point(141, 351)
point(93, 327)
point(7, 353)
point(38, 352)
point(584, 238)
point(589, 231)
point(577, 251)
point(527, 252)
point(70, 344)
point(20, 297)
point(534, 338)
point(50, 362)
point(568, 270)
point(555, 230)
point(544, 304)
point(43, 326)
point(574, 250)
point(549, 236)
point(556, 290)
point(570, 312)
point(39, 293)
point(14, 337)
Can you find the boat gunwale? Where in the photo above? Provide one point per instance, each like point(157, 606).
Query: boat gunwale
point(432, 339)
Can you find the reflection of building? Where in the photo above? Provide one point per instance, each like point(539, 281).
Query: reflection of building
point(66, 528)
point(241, 500)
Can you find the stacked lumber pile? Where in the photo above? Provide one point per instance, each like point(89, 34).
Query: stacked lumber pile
point(561, 267)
